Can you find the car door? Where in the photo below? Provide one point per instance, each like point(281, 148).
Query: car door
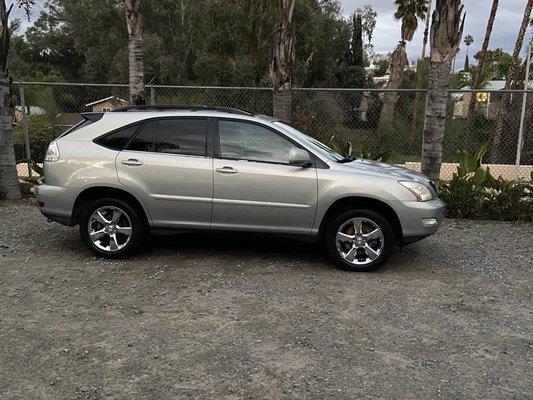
point(170, 164)
point(254, 186)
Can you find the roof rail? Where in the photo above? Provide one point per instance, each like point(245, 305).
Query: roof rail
point(189, 108)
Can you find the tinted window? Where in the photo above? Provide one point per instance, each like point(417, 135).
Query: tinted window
point(181, 136)
point(144, 139)
point(244, 141)
point(118, 139)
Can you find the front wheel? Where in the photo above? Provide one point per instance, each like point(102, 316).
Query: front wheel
point(112, 228)
point(359, 240)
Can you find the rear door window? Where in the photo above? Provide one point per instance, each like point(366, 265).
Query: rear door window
point(186, 136)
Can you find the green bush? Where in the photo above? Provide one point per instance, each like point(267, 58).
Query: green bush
point(42, 129)
point(348, 150)
point(459, 134)
point(474, 193)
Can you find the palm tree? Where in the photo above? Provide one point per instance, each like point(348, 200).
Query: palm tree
point(468, 41)
point(283, 59)
point(479, 72)
point(418, 74)
point(512, 76)
point(135, 47)
point(408, 12)
point(446, 32)
point(8, 164)
point(426, 31)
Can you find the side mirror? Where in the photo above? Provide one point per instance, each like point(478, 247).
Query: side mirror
point(299, 157)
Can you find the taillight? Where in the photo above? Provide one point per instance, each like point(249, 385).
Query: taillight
point(52, 153)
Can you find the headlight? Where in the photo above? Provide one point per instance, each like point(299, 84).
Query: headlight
point(52, 153)
point(421, 192)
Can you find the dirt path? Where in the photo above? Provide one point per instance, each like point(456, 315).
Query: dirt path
point(225, 317)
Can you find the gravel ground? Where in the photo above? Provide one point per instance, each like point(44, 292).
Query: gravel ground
point(229, 317)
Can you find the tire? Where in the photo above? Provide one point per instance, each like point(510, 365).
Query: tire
point(369, 252)
point(108, 208)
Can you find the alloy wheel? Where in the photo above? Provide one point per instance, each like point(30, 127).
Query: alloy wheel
point(359, 241)
point(109, 228)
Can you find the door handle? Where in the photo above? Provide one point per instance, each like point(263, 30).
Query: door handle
point(227, 170)
point(132, 161)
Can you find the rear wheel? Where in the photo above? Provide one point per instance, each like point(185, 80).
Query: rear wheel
point(112, 228)
point(359, 240)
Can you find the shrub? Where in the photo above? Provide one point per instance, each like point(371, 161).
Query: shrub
point(474, 193)
point(41, 131)
point(348, 150)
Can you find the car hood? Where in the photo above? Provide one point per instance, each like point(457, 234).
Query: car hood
point(385, 170)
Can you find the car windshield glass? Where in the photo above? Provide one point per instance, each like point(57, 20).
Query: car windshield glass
point(314, 144)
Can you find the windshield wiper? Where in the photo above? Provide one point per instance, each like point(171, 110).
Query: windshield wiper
point(346, 159)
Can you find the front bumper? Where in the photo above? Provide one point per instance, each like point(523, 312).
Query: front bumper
point(56, 203)
point(420, 219)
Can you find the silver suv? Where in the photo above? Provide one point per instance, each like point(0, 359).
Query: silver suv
point(121, 174)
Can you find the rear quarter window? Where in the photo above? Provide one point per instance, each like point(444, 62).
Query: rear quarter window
point(144, 138)
point(118, 139)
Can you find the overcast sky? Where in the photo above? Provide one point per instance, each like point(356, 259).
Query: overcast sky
point(387, 32)
point(505, 30)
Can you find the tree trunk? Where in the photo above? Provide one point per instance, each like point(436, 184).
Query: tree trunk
point(426, 30)
point(397, 65)
point(504, 107)
point(446, 32)
point(481, 64)
point(136, 68)
point(418, 82)
point(283, 59)
point(437, 97)
point(8, 164)
point(282, 103)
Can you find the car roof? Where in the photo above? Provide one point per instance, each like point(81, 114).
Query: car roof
point(104, 122)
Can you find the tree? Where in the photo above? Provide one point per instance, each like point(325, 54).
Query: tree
point(8, 165)
point(481, 62)
point(496, 63)
point(426, 31)
point(283, 59)
point(418, 72)
point(446, 32)
point(512, 77)
point(368, 24)
point(368, 20)
point(354, 75)
point(468, 41)
point(357, 42)
point(215, 42)
point(408, 12)
point(135, 51)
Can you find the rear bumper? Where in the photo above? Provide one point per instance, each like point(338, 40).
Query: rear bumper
point(56, 203)
point(420, 219)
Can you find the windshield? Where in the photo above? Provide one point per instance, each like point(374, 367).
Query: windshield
point(314, 144)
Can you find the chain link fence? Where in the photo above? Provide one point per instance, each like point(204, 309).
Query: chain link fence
point(338, 116)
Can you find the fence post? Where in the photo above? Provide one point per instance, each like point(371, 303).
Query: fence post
point(152, 95)
point(25, 128)
point(522, 117)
